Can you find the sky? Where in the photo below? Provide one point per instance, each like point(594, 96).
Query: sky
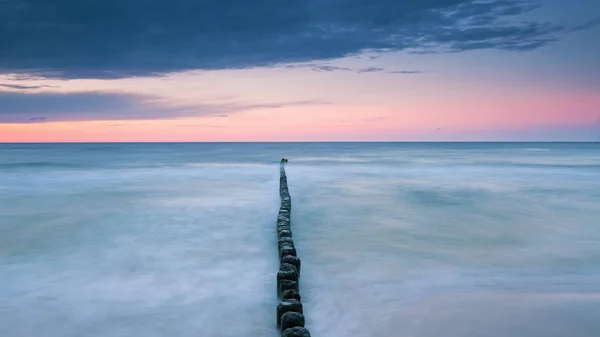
point(299, 70)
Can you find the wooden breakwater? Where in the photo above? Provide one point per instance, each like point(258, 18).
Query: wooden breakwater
point(290, 317)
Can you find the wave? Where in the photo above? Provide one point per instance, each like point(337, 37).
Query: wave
point(37, 165)
point(542, 164)
point(102, 149)
point(331, 159)
point(536, 149)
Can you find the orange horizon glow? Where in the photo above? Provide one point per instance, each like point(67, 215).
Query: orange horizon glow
point(416, 118)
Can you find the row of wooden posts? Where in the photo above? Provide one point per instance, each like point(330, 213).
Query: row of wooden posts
point(290, 317)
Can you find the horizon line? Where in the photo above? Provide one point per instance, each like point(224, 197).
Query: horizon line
point(308, 142)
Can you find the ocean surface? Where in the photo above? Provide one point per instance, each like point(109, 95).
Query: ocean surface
point(396, 239)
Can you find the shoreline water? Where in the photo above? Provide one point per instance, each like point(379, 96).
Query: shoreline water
point(415, 240)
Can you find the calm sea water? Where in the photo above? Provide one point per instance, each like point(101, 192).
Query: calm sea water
point(396, 240)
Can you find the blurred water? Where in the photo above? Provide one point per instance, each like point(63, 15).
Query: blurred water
point(410, 239)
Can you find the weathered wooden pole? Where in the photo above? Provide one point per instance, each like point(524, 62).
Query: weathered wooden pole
point(290, 316)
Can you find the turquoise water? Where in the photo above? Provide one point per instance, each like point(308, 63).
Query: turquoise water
point(407, 239)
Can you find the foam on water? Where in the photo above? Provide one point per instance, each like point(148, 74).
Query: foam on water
point(396, 239)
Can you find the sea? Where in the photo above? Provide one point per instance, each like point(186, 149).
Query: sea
point(396, 239)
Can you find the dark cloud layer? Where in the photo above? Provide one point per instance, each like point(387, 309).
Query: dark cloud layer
point(117, 38)
point(18, 107)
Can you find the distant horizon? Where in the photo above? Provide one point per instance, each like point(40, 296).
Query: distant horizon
point(317, 142)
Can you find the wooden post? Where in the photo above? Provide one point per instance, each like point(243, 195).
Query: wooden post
point(290, 316)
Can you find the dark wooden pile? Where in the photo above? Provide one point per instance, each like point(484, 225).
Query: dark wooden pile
point(290, 318)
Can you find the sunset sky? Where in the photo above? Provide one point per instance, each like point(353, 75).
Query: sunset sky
point(291, 70)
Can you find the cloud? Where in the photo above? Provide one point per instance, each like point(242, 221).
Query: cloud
point(327, 68)
point(407, 72)
point(370, 70)
point(24, 77)
point(586, 25)
point(116, 38)
point(317, 67)
point(376, 119)
point(26, 87)
point(18, 107)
